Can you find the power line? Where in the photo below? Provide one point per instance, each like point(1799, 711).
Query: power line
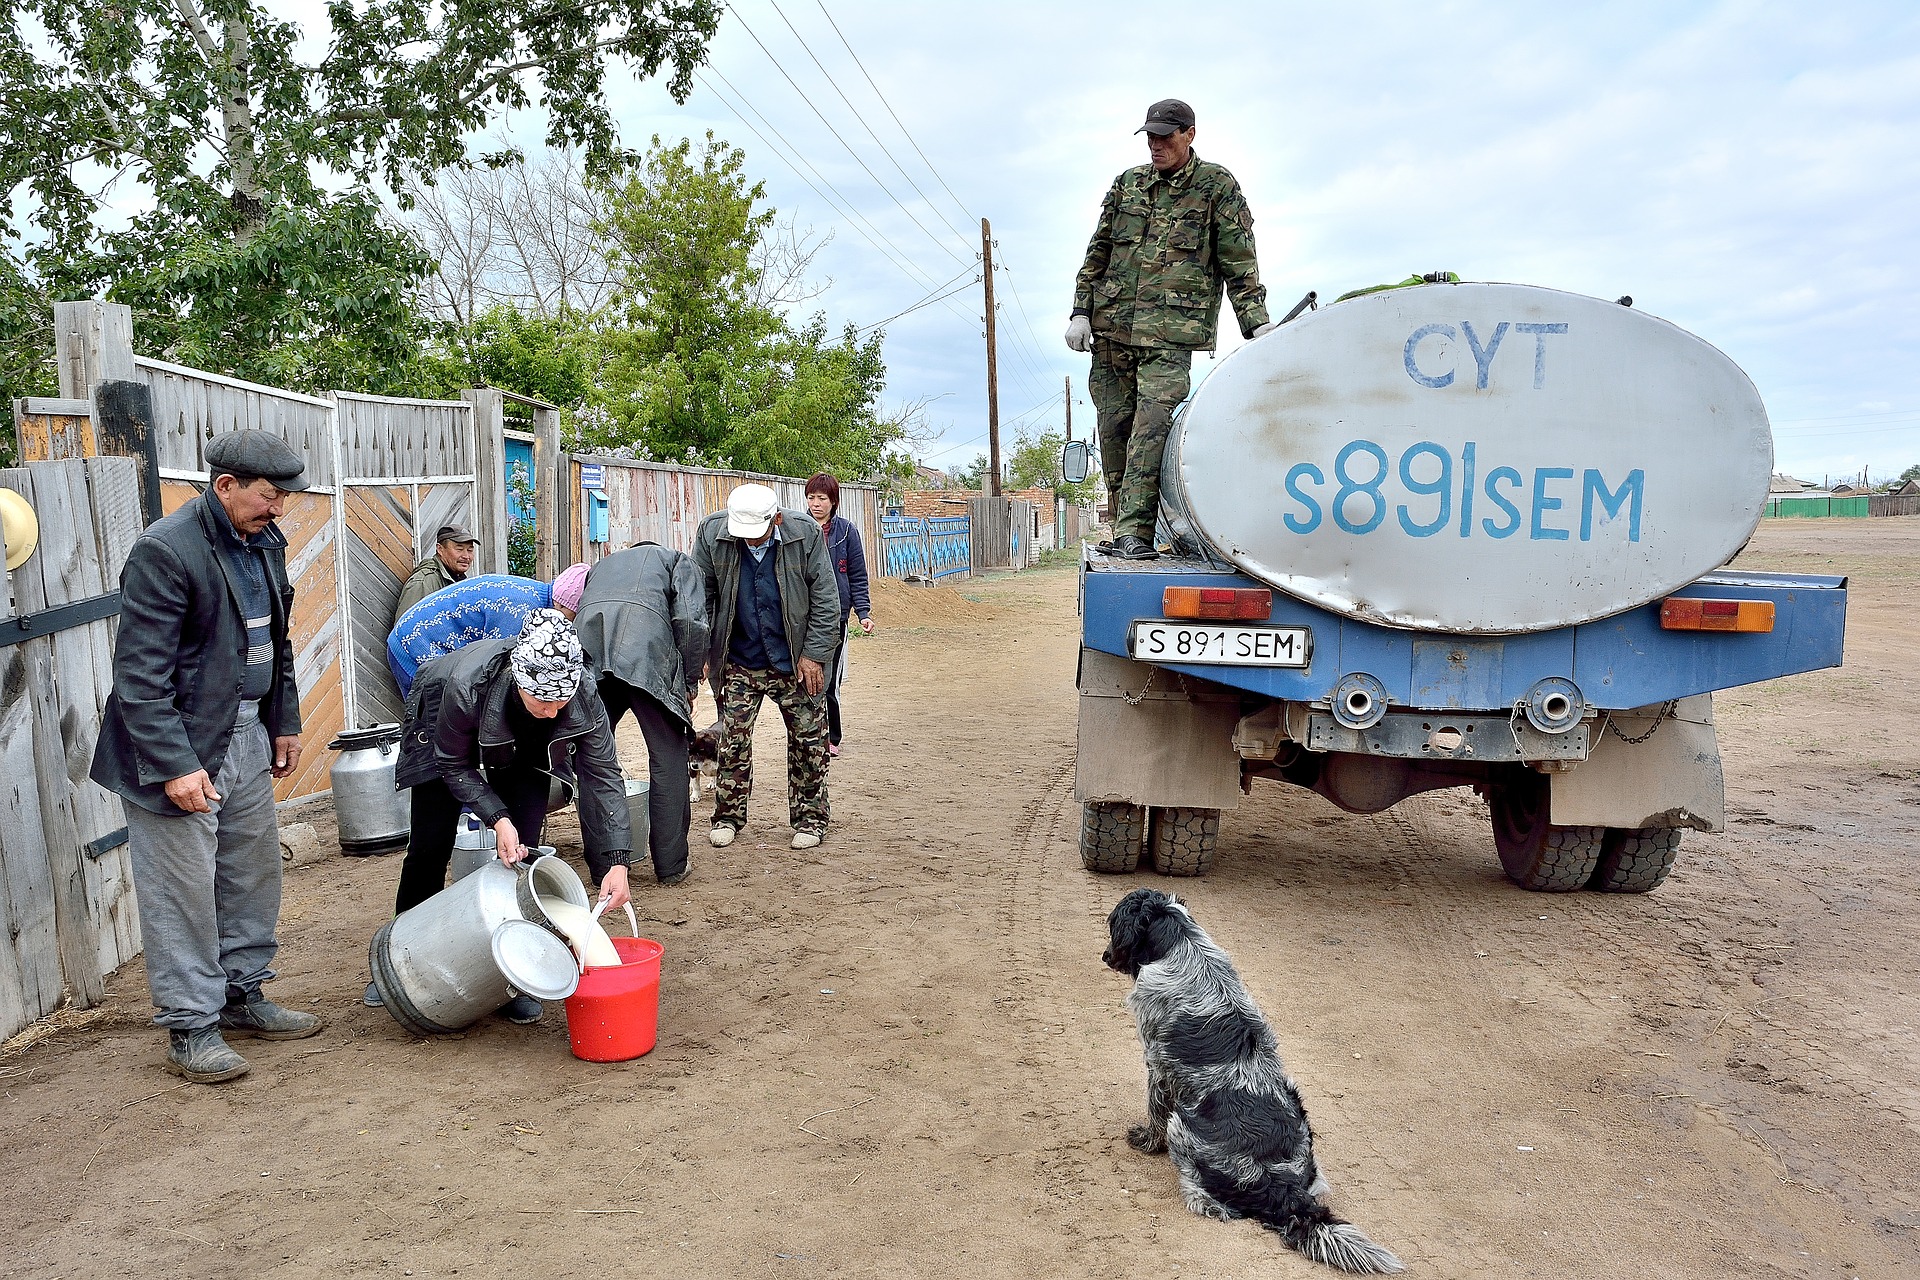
point(924, 302)
point(864, 125)
point(938, 242)
point(892, 252)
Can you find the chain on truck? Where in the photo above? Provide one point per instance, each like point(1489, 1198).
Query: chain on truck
point(1447, 535)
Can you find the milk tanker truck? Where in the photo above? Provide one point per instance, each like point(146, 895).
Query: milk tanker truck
point(1451, 535)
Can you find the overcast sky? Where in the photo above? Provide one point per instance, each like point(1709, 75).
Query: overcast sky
point(1749, 171)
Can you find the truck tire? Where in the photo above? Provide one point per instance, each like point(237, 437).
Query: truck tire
point(1184, 840)
point(1112, 835)
point(1635, 861)
point(1536, 854)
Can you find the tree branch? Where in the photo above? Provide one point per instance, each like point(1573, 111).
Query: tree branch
point(198, 28)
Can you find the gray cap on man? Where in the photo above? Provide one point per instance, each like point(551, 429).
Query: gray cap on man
point(256, 455)
point(1169, 115)
point(455, 533)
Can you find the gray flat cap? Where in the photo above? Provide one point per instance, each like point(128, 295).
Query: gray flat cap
point(257, 455)
point(455, 533)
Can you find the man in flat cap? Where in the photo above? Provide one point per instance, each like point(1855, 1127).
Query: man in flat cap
point(1172, 234)
point(204, 715)
point(451, 561)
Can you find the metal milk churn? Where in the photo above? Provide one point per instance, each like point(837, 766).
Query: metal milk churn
point(372, 816)
point(473, 846)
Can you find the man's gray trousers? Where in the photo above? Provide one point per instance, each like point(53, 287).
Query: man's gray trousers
point(209, 887)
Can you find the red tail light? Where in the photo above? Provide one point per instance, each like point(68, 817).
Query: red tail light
point(1752, 616)
point(1217, 604)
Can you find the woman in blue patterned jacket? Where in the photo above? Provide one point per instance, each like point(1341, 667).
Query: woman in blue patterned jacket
point(849, 559)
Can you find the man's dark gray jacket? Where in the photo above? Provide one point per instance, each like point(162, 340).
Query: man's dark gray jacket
point(180, 660)
point(457, 728)
point(809, 593)
point(643, 619)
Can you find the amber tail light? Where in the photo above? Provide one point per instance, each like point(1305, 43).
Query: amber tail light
point(1217, 604)
point(1716, 615)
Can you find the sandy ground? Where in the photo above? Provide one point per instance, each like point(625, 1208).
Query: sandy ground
point(899, 1055)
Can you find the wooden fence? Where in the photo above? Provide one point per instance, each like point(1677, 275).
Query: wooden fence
point(66, 887)
point(651, 501)
point(1002, 530)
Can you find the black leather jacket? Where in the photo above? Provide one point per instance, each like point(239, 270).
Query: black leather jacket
point(180, 660)
point(457, 727)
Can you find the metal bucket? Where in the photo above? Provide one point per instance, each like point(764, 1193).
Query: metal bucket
point(639, 794)
point(443, 965)
point(372, 816)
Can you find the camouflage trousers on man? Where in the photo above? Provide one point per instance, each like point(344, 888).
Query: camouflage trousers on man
point(741, 690)
point(1135, 391)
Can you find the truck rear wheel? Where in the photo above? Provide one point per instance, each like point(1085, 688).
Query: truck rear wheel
point(1635, 861)
point(1536, 854)
point(1184, 840)
point(1112, 835)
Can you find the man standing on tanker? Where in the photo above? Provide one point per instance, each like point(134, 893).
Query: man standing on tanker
point(1171, 234)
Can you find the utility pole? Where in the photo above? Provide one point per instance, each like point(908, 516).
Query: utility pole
point(1066, 387)
point(993, 372)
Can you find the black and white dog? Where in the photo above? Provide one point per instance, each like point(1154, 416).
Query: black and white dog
point(703, 762)
point(1219, 1100)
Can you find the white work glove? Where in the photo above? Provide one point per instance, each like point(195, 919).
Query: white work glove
point(1266, 329)
point(1080, 334)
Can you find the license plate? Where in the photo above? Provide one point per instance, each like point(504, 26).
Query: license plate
point(1198, 642)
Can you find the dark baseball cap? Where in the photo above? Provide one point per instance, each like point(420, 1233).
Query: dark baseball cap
point(256, 455)
point(455, 533)
point(1169, 115)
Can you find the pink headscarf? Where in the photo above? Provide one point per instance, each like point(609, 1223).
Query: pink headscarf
point(569, 586)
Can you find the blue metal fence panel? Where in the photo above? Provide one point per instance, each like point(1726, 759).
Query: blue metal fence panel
point(949, 546)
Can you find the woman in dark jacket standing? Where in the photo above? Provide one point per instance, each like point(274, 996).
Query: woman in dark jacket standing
point(849, 560)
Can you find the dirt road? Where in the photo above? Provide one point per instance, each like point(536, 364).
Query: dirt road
point(899, 1055)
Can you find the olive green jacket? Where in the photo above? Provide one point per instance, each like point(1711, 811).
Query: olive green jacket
point(1165, 246)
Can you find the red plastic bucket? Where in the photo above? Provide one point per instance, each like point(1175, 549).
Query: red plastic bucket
point(615, 1014)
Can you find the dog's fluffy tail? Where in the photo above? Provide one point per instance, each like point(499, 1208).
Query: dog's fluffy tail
point(1325, 1238)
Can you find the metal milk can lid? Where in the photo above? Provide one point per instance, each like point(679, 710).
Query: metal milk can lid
point(534, 961)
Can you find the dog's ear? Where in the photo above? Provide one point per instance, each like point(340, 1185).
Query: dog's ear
point(1142, 929)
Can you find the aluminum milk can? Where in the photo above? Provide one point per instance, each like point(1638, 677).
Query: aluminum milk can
point(372, 816)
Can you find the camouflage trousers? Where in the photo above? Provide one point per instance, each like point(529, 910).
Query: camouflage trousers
point(1135, 391)
point(741, 690)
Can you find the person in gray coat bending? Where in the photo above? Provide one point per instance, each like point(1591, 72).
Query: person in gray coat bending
point(204, 715)
point(643, 622)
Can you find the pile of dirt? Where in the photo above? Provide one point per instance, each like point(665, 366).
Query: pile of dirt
point(912, 604)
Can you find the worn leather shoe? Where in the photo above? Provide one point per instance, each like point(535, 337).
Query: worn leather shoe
point(522, 1010)
point(264, 1020)
point(201, 1055)
point(1132, 547)
point(678, 877)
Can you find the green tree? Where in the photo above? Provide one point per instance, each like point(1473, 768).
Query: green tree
point(1911, 473)
point(697, 364)
point(1035, 464)
point(245, 252)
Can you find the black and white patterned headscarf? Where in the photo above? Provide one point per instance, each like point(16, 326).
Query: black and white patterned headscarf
point(547, 662)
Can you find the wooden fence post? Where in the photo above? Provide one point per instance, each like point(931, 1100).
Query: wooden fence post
point(489, 476)
point(123, 427)
point(550, 477)
point(92, 343)
point(76, 929)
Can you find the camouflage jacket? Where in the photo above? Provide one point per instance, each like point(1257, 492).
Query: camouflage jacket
point(1164, 247)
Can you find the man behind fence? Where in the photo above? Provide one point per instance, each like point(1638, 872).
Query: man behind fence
point(204, 715)
point(773, 618)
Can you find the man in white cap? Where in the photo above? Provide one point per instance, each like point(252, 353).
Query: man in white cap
point(773, 615)
point(487, 727)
